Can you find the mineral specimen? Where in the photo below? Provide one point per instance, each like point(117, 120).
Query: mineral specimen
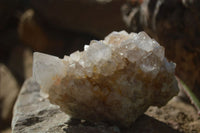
point(113, 80)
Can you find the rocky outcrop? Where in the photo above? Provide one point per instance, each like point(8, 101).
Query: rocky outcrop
point(32, 113)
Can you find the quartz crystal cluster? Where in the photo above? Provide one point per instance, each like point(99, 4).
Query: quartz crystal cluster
point(113, 80)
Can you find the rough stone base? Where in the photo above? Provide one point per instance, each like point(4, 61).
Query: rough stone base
point(35, 114)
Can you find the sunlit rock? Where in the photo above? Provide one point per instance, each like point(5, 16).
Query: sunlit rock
point(113, 80)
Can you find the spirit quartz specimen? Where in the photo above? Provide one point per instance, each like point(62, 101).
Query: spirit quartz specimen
point(113, 80)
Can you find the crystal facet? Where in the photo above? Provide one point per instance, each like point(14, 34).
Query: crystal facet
point(112, 80)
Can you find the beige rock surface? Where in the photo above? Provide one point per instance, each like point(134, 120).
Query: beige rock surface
point(8, 93)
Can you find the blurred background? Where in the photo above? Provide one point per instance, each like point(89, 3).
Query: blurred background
point(60, 27)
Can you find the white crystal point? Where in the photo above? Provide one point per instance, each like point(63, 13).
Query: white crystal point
point(46, 70)
point(115, 79)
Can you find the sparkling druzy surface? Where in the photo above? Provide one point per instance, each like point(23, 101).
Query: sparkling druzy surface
point(113, 80)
